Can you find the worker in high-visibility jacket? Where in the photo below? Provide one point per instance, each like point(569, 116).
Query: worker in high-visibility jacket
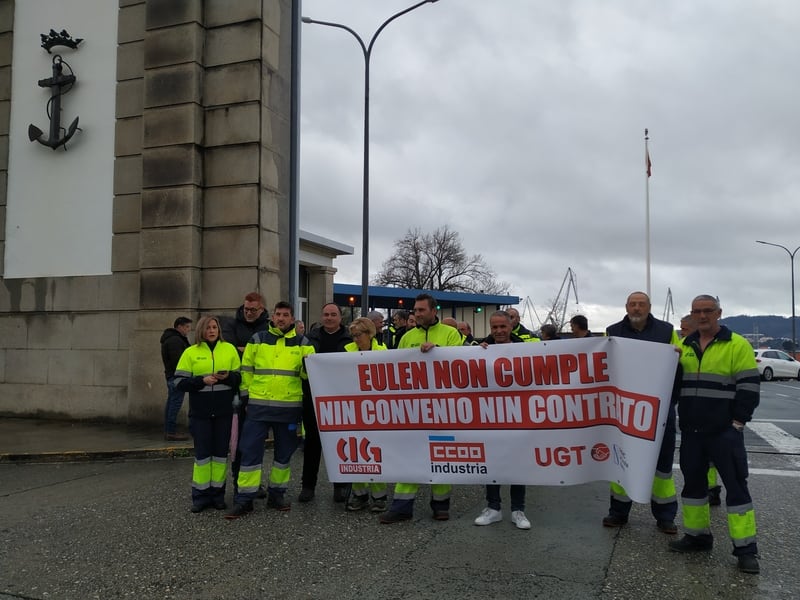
point(518, 329)
point(272, 373)
point(209, 371)
point(719, 393)
point(427, 334)
point(714, 488)
point(364, 494)
point(640, 324)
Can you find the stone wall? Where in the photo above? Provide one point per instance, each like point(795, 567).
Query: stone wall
point(200, 213)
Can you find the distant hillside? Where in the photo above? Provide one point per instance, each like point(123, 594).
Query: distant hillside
point(771, 326)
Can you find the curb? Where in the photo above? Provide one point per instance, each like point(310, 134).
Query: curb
point(102, 455)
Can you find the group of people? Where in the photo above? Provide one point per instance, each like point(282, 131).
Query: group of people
point(260, 362)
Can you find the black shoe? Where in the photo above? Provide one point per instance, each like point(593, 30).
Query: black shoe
point(340, 492)
point(239, 510)
point(714, 496)
point(393, 517)
point(279, 502)
point(692, 543)
point(614, 521)
point(667, 527)
point(356, 503)
point(176, 437)
point(261, 493)
point(748, 563)
point(441, 515)
point(378, 505)
point(306, 495)
point(219, 505)
point(198, 507)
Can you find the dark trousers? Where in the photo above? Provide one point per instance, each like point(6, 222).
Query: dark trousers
point(254, 434)
point(312, 451)
point(172, 406)
point(727, 451)
point(517, 497)
point(212, 437)
point(662, 511)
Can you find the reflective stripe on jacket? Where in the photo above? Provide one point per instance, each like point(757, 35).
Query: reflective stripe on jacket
point(272, 374)
point(720, 384)
point(197, 361)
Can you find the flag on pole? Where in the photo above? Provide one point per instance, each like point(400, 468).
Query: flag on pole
point(648, 163)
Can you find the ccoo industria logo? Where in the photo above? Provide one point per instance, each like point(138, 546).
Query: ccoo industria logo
point(359, 457)
point(450, 456)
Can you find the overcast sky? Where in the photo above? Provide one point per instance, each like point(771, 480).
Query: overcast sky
point(520, 124)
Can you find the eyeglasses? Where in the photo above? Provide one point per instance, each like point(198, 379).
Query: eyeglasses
point(704, 311)
point(253, 310)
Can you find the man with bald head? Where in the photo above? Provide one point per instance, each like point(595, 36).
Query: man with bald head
point(518, 329)
point(639, 324)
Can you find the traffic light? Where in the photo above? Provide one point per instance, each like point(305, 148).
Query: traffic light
point(352, 300)
point(478, 309)
point(400, 303)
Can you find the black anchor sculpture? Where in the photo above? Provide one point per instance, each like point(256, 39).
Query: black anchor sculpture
point(56, 83)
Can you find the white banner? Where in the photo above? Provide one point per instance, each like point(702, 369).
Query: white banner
point(548, 413)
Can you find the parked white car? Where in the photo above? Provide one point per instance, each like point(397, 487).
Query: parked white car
point(775, 364)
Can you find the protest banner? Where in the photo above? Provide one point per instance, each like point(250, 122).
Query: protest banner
point(549, 413)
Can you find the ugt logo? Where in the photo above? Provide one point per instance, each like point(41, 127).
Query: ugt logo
point(352, 450)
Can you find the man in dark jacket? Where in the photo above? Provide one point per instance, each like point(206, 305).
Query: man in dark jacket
point(173, 343)
point(639, 324)
point(251, 317)
point(330, 336)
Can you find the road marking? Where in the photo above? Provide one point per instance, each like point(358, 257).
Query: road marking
point(751, 471)
point(776, 437)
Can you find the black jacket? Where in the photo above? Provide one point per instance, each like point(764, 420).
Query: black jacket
point(654, 330)
point(342, 339)
point(173, 343)
point(237, 331)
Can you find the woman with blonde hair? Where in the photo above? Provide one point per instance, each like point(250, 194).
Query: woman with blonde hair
point(209, 371)
point(363, 332)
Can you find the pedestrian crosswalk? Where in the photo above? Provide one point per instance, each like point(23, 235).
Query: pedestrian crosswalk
point(776, 437)
point(767, 433)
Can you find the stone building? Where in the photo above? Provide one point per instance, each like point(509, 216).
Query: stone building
point(174, 197)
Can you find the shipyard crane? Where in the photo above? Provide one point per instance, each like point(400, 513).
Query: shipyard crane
point(669, 309)
point(562, 299)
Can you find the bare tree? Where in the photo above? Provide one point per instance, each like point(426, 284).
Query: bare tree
point(437, 261)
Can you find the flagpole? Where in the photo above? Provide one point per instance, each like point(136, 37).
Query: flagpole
point(647, 207)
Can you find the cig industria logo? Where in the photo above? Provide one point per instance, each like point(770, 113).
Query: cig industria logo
point(449, 456)
point(359, 456)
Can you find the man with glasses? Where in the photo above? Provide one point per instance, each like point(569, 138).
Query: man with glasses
point(719, 392)
point(640, 324)
point(251, 317)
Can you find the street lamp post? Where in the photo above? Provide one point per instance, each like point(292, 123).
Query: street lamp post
point(367, 50)
point(791, 261)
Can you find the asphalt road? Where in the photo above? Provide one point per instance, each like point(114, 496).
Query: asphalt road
point(123, 530)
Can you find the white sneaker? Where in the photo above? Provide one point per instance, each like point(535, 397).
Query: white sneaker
point(489, 516)
point(520, 520)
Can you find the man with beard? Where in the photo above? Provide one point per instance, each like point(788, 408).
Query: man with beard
point(427, 335)
point(639, 324)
